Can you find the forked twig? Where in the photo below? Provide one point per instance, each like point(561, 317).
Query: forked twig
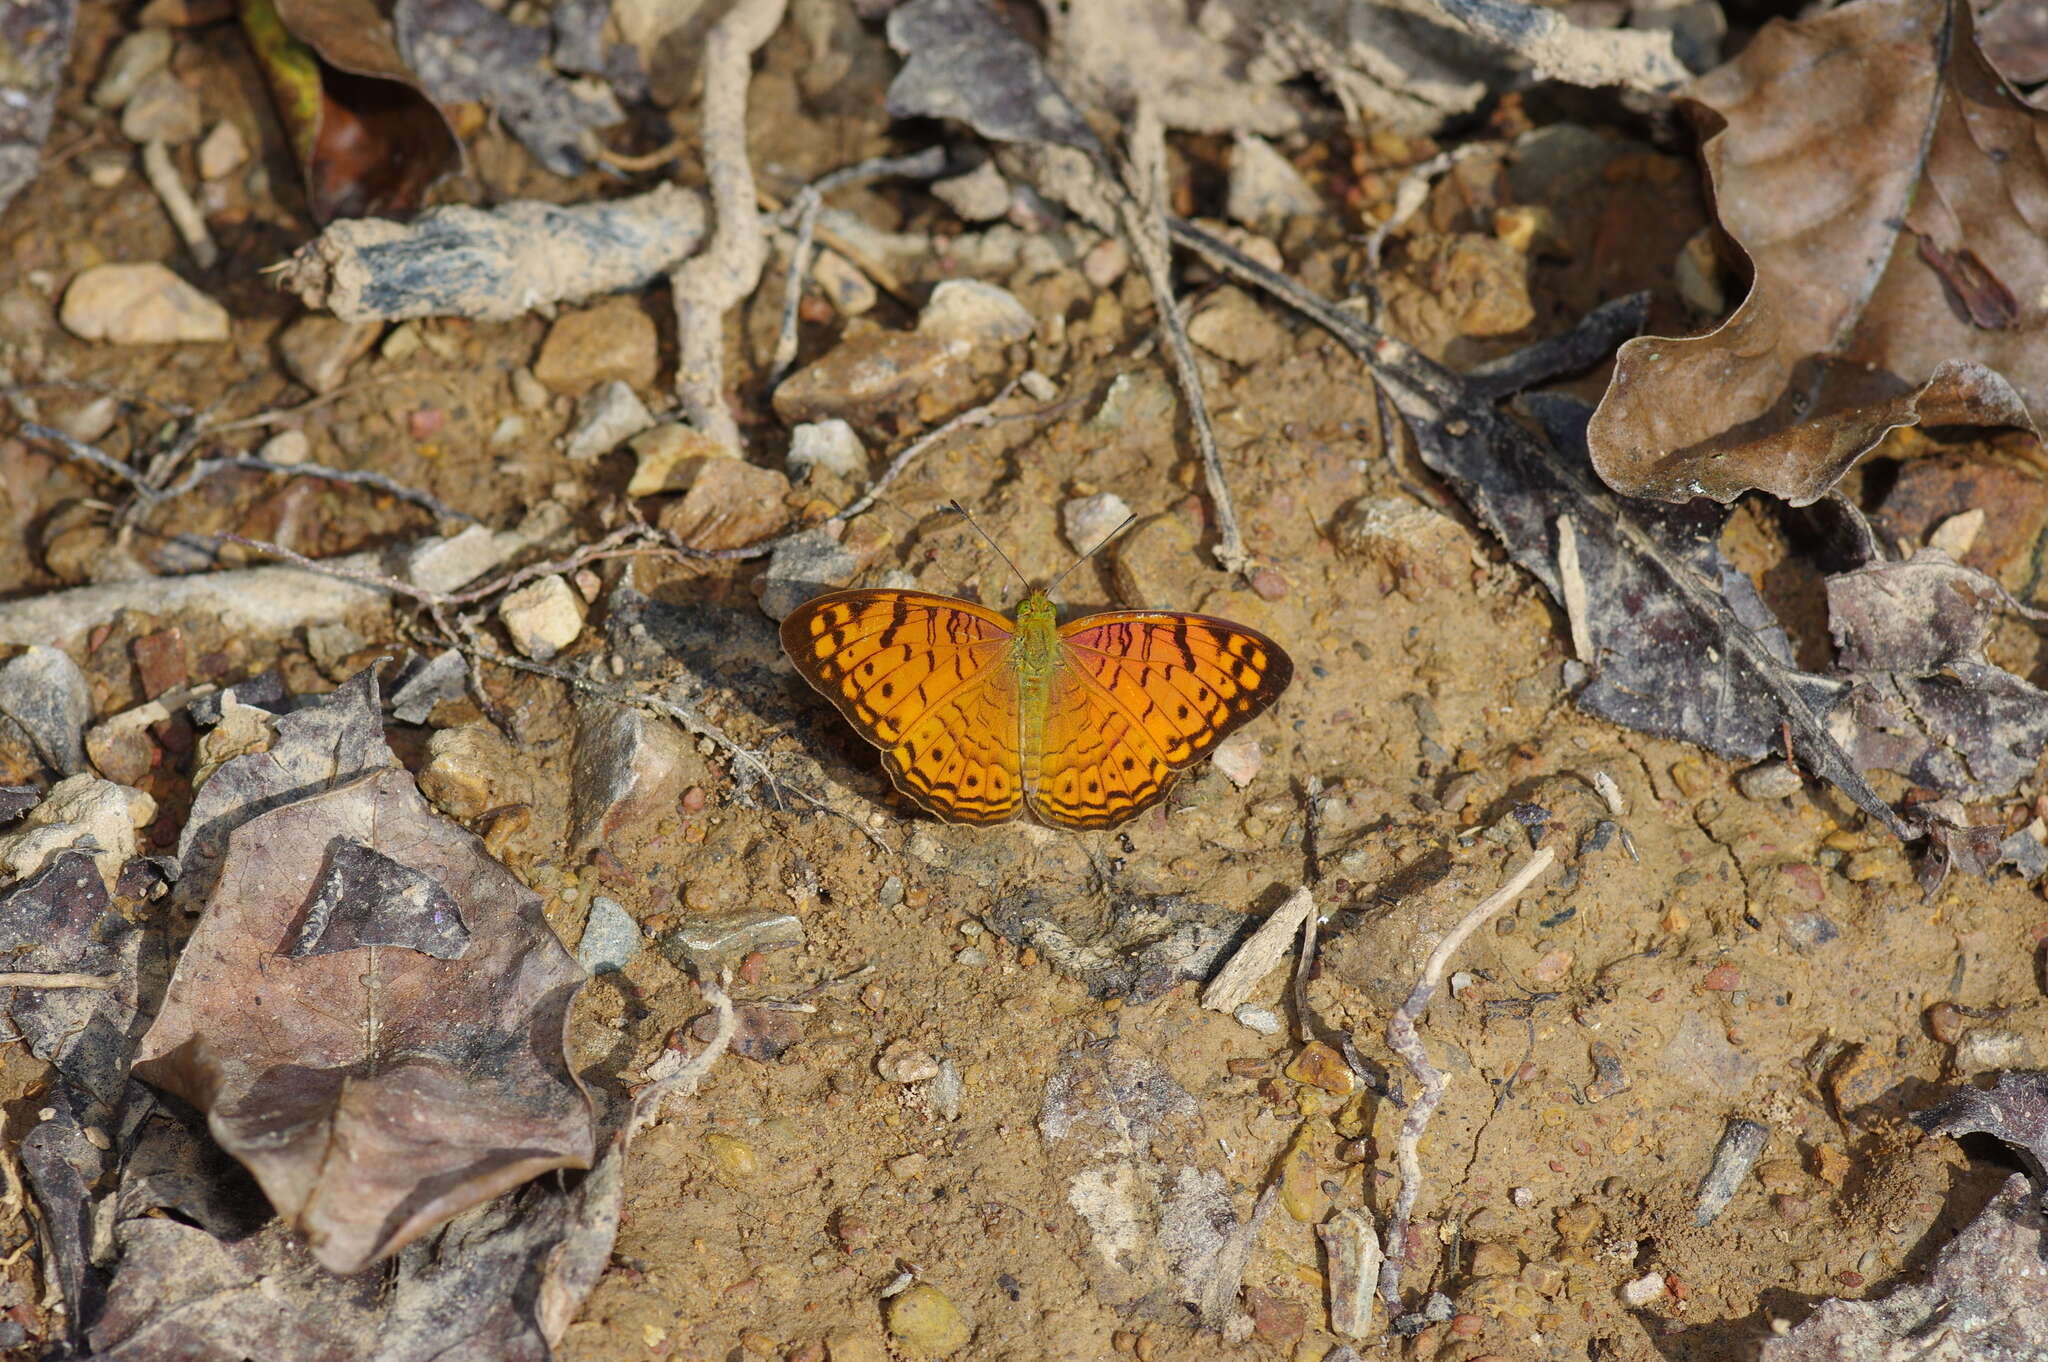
point(648, 1105)
point(1401, 1038)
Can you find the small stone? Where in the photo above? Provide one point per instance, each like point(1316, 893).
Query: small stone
point(330, 644)
point(91, 419)
point(1519, 225)
point(1319, 1066)
point(1862, 866)
point(143, 304)
point(162, 109)
point(286, 447)
point(881, 382)
point(732, 503)
point(1301, 1179)
point(891, 892)
point(1858, 1080)
point(1263, 1020)
point(1722, 979)
point(1697, 271)
point(1154, 561)
point(1781, 1177)
point(981, 195)
point(844, 284)
point(527, 390)
point(510, 430)
point(471, 769)
point(1484, 284)
point(945, 1091)
point(542, 617)
point(967, 309)
point(970, 957)
point(1089, 521)
point(1105, 262)
point(1137, 399)
point(669, 456)
point(1691, 778)
point(223, 152)
point(1037, 386)
point(629, 767)
point(1265, 188)
point(1986, 1048)
point(925, 1322)
point(1495, 1260)
point(807, 564)
point(831, 445)
point(1239, 757)
point(855, 1348)
point(318, 350)
point(606, 417)
point(1544, 1278)
point(1809, 930)
point(1955, 535)
point(761, 1034)
point(1268, 584)
point(134, 59)
point(79, 808)
point(1769, 780)
point(105, 167)
point(612, 342)
point(902, 1062)
point(1233, 327)
point(907, 1166)
point(610, 937)
point(1554, 966)
point(733, 1155)
point(403, 343)
point(1643, 1290)
point(732, 936)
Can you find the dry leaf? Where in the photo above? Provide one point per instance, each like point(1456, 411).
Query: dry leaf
point(371, 1013)
point(1891, 193)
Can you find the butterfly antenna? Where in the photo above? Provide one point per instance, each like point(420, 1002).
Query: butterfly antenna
point(1100, 545)
point(961, 511)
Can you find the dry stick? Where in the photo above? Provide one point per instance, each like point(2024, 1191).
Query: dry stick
point(32, 980)
point(1401, 1038)
point(163, 177)
point(805, 207)
point(721, 275)
point(1145, 224)
point(647, 1107)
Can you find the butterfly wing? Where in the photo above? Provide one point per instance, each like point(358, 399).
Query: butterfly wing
point(927, 679)
point(1140, 696)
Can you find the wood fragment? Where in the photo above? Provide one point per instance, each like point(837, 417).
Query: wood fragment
point(59, 980)
point(1351, 1242)
point(1734, 1156)
point(1262, 950)
point(169, 185)
point(1571, 581)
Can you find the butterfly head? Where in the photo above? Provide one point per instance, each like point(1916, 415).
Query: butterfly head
point(1036, 609)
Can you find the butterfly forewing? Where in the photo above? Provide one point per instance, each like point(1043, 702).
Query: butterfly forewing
point(927, 679)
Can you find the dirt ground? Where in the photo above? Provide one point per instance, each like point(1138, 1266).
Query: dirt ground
point(1719, 956)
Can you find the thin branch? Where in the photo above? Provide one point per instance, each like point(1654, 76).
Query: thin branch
point(33, 980)
point(383, 482)
point(720, 276)
point(169, 185)
point(648, 1105)
point(1401, 1038)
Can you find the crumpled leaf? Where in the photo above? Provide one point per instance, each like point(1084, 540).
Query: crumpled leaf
point(1923, 700)
point(36, 36)
point(1891, 194)
point(963, 62)
point(1986, 1300)
point(463, 50)
point(443, 1081)
point(2014, 1111)
point(497, 1284)
point(1164, 1235)
point(368, 141)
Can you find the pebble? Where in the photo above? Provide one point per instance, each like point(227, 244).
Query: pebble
point(1141, 399)
point(669, 456)
point(1037, 386)
point(972, 957)
point(1301, 1179)
point(471, 769)
point(610, 937)
point(1233, 326)
point(542, 617)
point(1986, 1048)
point(1088, 521)
point(628, 767)
point(902, 1062)
point(1955, 535)
point(970, 310)
point(162, 109)
point(1265, 188)
point(1319, 1066)
point(855, 1348)
point(891, 892)
point(874, 378)
point(223, 152)
point(607, 416)
point(1484, 284)
point(831, 445)
point(1239, 757)
point(731, 503)
point(140, 304)
point(612, 342)
point(1263, 1020)
point(945, 1091)
point(844, 284)
point(527, 390)
point(318, 350)
point(981, 195)
point(90, 419)
point(1105, 262)
point(134, 59)
point(1769, 780)
point(1644, 1289)
point(1154, 560)
point(924, 1321)
point(106, 167)
point(807, 564)
point(733, 936)
point(78, 808)
point(732, 1154)
point(286, 447)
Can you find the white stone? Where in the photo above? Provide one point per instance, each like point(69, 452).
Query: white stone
point(542, 617)
point(1643, 1290)
point(142, 304)
point(1239, 757)
point(91, 419)
point(844, 285)
point(84, 811)
point(134, 59)
point(968, 309)
point(669, 457)
point(608, 416)
point(831, 445)
point(223, 152)
point(1263, 1020)
point(162, 109)
point(1087, 521)
point(1955, 535)
point(1264, 187)
point(287, 447)
point(981, 195)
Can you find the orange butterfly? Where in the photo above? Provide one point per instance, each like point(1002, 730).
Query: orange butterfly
point(979, 716)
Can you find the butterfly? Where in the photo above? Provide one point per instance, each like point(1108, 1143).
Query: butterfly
point(980, 717)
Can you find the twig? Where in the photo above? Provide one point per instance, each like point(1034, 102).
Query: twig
point(647, 1107)
point(163, 177)
point(1304, 1025)
point(383, 482)
point(646, 160)
point(804, 208)
point(33, 980)
point(1145, 223)
point(1401, 1038)
point(715, 279)
point(1259, 953)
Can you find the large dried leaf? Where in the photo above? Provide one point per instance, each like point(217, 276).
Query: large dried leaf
point(375, 1090)
point(2014, 1111)
point(1891, 194)
point(61, 920)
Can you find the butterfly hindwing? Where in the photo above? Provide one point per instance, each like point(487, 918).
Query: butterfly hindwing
point(927, 679)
